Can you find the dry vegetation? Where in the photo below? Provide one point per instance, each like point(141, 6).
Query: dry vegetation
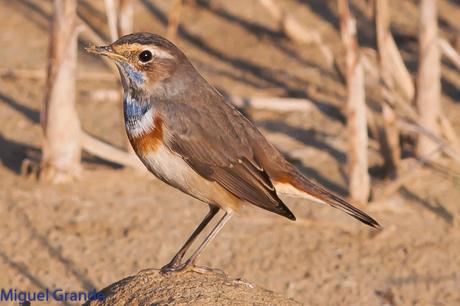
point(313, 75)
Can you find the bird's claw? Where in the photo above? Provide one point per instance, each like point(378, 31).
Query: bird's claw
point(187, 266)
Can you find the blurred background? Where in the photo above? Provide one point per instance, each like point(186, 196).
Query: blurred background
point(361, 95)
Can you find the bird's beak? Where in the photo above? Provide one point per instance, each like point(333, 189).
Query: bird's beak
point(105, 51)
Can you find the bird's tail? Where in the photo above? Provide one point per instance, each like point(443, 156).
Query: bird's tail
point(296, 184)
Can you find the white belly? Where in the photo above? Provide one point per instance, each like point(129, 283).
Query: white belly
point(168, 167)
point(172, 169)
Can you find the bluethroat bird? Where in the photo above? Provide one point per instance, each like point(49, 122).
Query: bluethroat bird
point(191, 138)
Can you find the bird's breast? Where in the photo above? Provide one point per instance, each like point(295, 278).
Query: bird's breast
point(144, 126)
point(146, 135)
point(161, 161)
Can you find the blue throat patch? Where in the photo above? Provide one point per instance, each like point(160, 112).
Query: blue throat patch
point(133, 110)
point(132, 74)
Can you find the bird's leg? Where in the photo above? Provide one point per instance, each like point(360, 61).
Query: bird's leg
point(174, 264)
point(211, 236)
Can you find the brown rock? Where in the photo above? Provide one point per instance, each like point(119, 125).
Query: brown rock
point(149, 287)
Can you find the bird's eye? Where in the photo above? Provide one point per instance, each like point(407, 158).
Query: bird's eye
point(145, 56)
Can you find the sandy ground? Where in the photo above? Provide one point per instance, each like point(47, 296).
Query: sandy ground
point(115, 222)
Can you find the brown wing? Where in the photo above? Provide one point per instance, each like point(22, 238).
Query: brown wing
point(214, 142)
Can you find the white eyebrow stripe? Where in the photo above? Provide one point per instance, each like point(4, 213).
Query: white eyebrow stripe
point(160, 53)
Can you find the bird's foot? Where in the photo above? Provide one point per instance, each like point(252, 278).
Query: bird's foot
point(176, 266)
point(204, 270)
point(188, 266)
point(172, 267)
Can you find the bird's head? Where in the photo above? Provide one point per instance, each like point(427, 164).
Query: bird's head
point(143, 59)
